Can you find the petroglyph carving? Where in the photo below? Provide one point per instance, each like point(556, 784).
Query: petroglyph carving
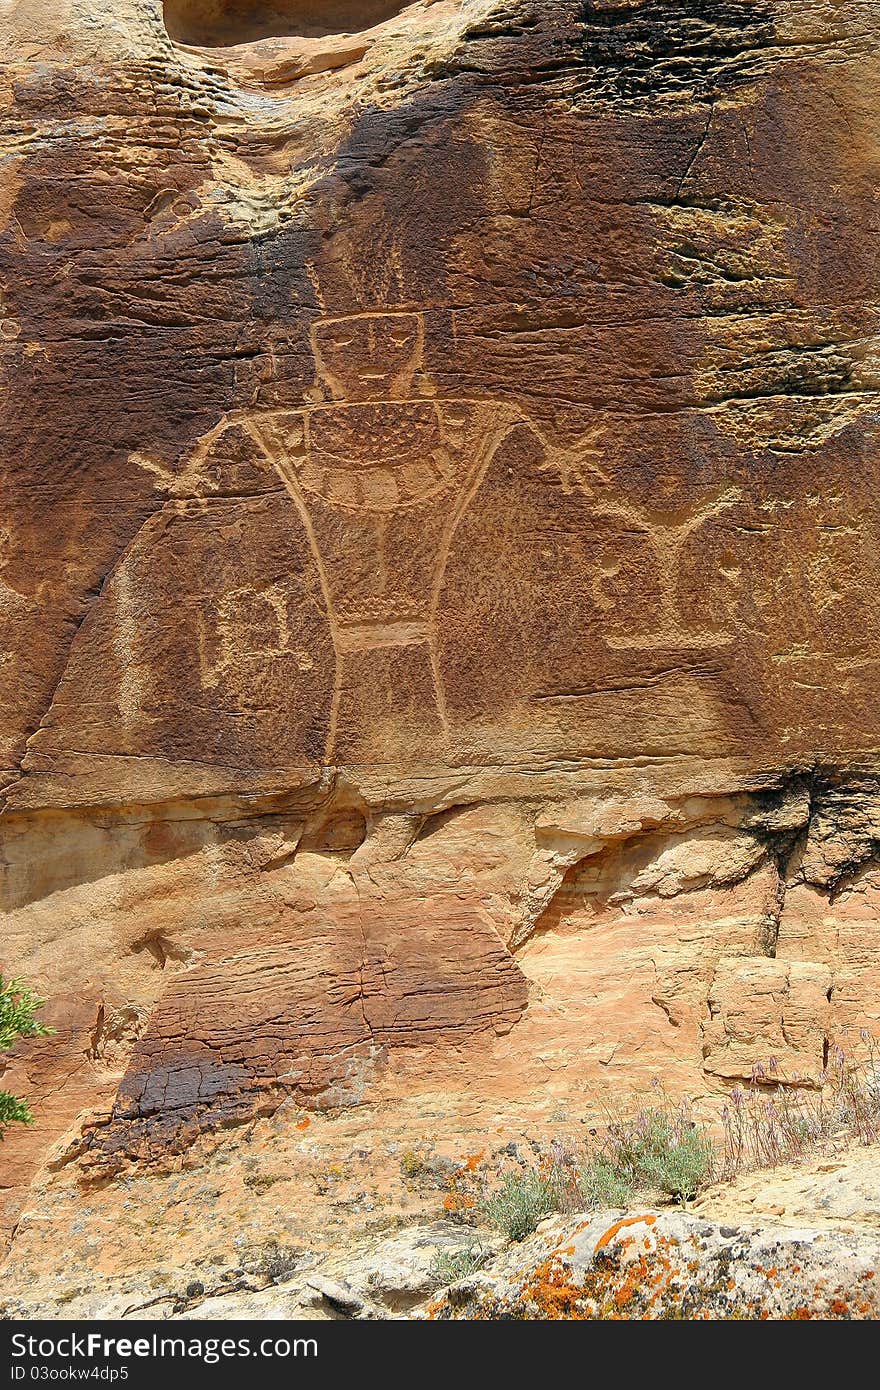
point(193, 479)
point(369, 356)
point(245, 627)
point(673, 626)
point(381, 478)
point(578, 467)
point(666, 528)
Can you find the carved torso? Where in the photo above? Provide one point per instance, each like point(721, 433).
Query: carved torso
point(379, 455)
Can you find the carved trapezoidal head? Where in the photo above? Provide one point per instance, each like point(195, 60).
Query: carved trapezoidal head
point(366, 357)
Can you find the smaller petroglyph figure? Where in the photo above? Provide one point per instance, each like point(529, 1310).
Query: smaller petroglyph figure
point(578, 466)
point(248, 628)
point(642, 616)
point(667, 535)
point(381, 477)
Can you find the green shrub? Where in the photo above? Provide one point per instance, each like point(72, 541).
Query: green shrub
point(18, 1005)
point(604, 1185)
point(13, 1111)
point(448, 1266)
point(677, 1161)
point(524, 1199)
point(661, 1149)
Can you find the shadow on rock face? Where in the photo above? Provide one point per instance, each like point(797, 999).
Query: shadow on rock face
point(222, 23)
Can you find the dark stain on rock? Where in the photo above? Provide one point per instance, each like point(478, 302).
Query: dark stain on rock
point(694, 49)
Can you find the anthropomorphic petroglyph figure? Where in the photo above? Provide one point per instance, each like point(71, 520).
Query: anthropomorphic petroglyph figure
point(667, 536)
point(381, 477)
point(667, 521)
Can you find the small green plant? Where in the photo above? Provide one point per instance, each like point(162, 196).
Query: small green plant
point(604, 1185)
point(660, 1149)
point(13, 1111)
point(677, 1156)
point(413, 1164)
point(448, 1266)
point(524, 1199)
point(18, 1007)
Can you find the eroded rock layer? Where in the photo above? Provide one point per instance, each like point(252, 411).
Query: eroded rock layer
point(438, 558)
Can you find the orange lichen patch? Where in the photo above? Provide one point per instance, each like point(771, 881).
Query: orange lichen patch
point(303, 1123)
point(473, 1161)
point(636, 1273)
point(638, 1291)
point(553, 1294)
point(651, 1277)
point(612, 1231)
point(458, 1201)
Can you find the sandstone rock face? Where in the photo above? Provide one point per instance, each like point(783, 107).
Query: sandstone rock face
point(438, 561)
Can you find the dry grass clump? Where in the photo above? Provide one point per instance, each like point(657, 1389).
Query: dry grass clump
point(661, 1151)
point(777, 1119)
